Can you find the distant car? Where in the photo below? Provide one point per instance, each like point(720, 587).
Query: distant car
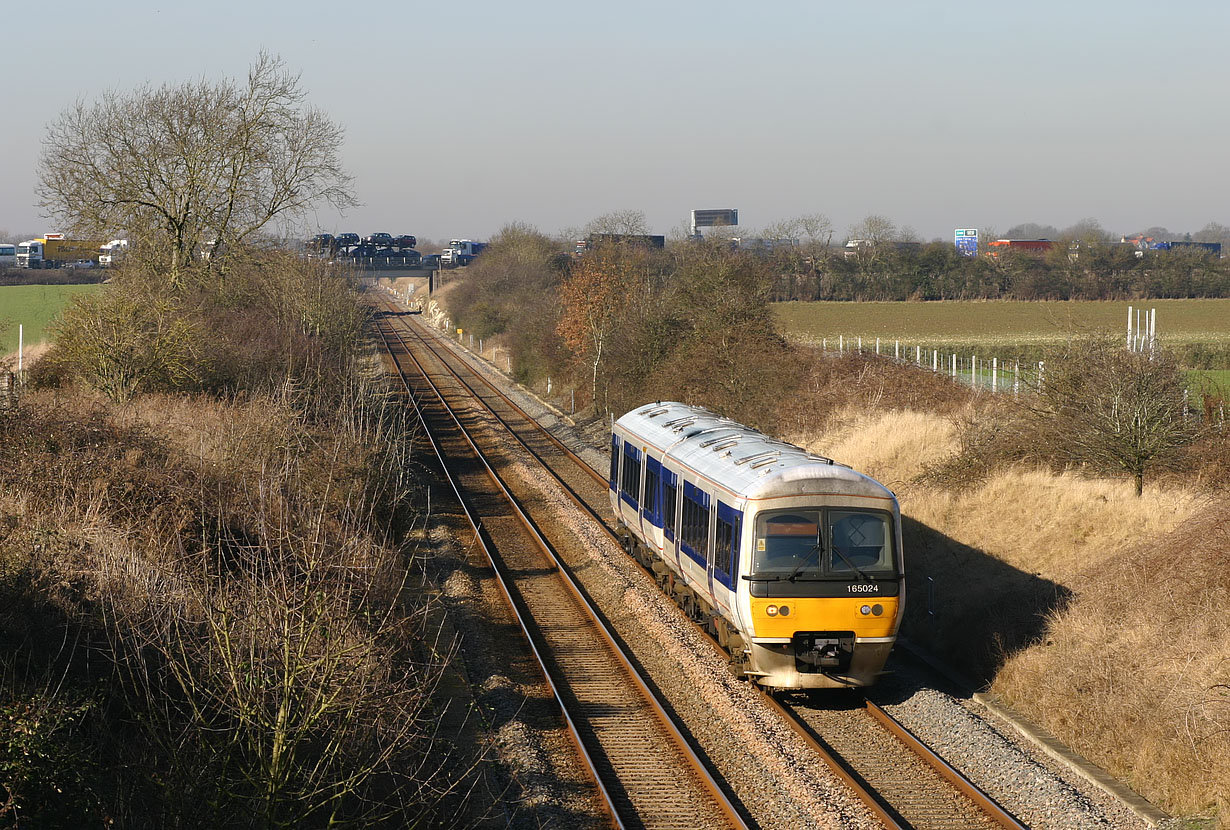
point(430, 261)
point(323, 241)
point(362, 251)
point(380, 240)
point(346, 240)
point(405, 241)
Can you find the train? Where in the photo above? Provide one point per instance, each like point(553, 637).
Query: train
point(793, 561)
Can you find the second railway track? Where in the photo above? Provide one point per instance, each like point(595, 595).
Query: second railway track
point(650, 775)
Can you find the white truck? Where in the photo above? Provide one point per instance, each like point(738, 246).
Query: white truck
point(110, 254)
point(461, 252)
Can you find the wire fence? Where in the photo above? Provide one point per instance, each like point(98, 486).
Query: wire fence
point(1008, 376)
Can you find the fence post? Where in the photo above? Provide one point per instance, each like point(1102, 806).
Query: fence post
point(877, 346)
point(896, 349)
point(860, 344)
point(995, 374)
point(841, 344)
point(954, 366)
point(1016, 379)
point(918, 355)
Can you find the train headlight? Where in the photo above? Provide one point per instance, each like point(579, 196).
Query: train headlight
point(771, 610)
point(865, 610)
point(877, 609)
point(785, 610)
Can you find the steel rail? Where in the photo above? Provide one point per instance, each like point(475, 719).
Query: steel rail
point(682, 744)
point(484, 542)
point(962, 784)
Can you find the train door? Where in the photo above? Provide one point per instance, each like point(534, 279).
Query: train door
point(724, 563)
point(670, 515)
point(651, 501)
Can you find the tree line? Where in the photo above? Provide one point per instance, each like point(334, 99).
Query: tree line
point(938, 271)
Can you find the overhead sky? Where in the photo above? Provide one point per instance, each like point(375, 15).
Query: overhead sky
point(465, 115)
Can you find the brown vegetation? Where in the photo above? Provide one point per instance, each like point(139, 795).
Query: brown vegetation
point(209, 612)
point(1135, 672)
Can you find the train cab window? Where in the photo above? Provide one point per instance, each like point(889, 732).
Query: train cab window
point(614, 462)
point(820, 544)
point(859, 541)
point(785, 540)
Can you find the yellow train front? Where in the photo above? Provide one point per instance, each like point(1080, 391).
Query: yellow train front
point(793, 561)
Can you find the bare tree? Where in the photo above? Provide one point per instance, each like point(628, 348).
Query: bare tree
point(632, 222)
point(192, 169)
point(875, 229)
point(1088, 232)
point(1113, 409)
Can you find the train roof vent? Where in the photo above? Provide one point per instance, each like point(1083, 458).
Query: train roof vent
point(823, 460)
point(771, 454)
point(711, 441)
point(678, 424)
point(756, 465)
point(655, 411)
point(725, 445)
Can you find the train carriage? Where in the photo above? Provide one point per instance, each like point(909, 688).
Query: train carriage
point(792, 560)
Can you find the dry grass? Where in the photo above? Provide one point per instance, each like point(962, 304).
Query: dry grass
point(893, 446)
point(229, 563)
point(1099, 614)
point(1136, 672)
point(1055, 525)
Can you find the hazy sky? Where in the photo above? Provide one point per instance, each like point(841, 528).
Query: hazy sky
point(461, 116)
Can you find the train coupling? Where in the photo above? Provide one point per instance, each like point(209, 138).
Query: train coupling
point(823, 650)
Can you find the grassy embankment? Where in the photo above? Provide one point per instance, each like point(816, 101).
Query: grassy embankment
point(1093, 611)
point(206, 604)
point(33, 307)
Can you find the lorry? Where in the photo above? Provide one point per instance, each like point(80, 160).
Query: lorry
point(461, 252)
point(55, 251)
point(110, 254)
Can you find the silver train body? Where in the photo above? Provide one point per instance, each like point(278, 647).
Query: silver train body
point(793, 561)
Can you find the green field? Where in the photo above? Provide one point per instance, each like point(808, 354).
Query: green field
point(33, 307)
point(1010, 323)
point(1198, 330)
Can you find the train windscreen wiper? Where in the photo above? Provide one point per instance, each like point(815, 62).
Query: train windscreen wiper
point(798, 569)
point(856, 568)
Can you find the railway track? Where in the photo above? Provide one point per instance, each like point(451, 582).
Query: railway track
point(647, 772)
point(894, 774)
